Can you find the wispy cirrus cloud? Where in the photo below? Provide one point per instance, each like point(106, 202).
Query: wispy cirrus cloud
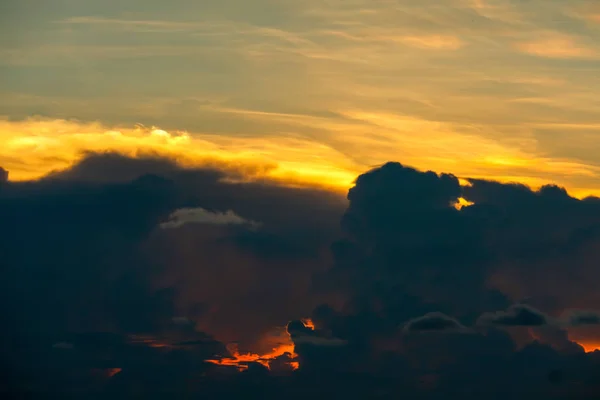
point(434, 42)
point(498, 80)
point(132, 24)
point(557, 47)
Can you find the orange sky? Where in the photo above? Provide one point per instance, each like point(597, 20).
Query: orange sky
point(590, 346)
point(308, 92)
point(281, 343)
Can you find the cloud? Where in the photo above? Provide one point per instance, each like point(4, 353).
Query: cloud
point(299, 160)
point(58, 145)
point(583, 317)
point(281, 85)
point(303, 335)
point(515, 315)
point(133, 25)
point(559, 47)
point(105, 211)
point(407, 252)
point(184, 216)
point(406, 242)
point(433, 322)
point(397, 250)
point(434, 42)
point(337, 60)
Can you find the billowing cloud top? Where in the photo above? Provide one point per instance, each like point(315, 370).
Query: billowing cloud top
point(396, 288)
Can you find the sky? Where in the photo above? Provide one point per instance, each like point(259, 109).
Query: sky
point(315, 92)
point(319, 198)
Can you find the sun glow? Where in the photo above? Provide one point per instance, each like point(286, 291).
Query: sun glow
point(242, 360)
point(46, 145)
point(284, 346)
point(590, 347)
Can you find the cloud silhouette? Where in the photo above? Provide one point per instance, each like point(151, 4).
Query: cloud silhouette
point(434, 322)
point(396, 254)
point(199, 215)
point(302, 335)
point(583, 317)
point(92, 230)
point(515, 315)
point(3, 175)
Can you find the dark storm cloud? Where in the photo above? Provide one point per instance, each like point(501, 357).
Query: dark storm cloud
point(583, 317)
point(112, 168)
point(515, 315)
point(83, 250)
point(71, 256)
point(408, 249)
point(301, 334)
point(408, 254)
point(3, 175)
point(544, 243)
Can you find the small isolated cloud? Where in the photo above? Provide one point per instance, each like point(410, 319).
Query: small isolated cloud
point(515, 315)
point(583, 317)
point(558, 47)
point(199, 215)
point(433, 322)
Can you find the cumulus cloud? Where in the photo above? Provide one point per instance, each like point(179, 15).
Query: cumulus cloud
point(407, 252)
point(80, 250)
point(199, 215)
point(399, 252)
point(105, 211)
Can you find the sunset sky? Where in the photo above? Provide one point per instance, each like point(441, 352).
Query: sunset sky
point(322, 199)
point(318, 91)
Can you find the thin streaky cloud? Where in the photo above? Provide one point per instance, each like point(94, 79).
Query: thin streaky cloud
point(556, 46)
point(431, 84)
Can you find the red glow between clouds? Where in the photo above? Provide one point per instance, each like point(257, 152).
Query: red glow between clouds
point(590, 347)
point(242, 360)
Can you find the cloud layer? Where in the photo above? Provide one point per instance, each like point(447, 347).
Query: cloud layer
point(396, 288)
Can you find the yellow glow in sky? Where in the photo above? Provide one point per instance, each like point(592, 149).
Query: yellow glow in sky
point(308, 92)
point(32, 148)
